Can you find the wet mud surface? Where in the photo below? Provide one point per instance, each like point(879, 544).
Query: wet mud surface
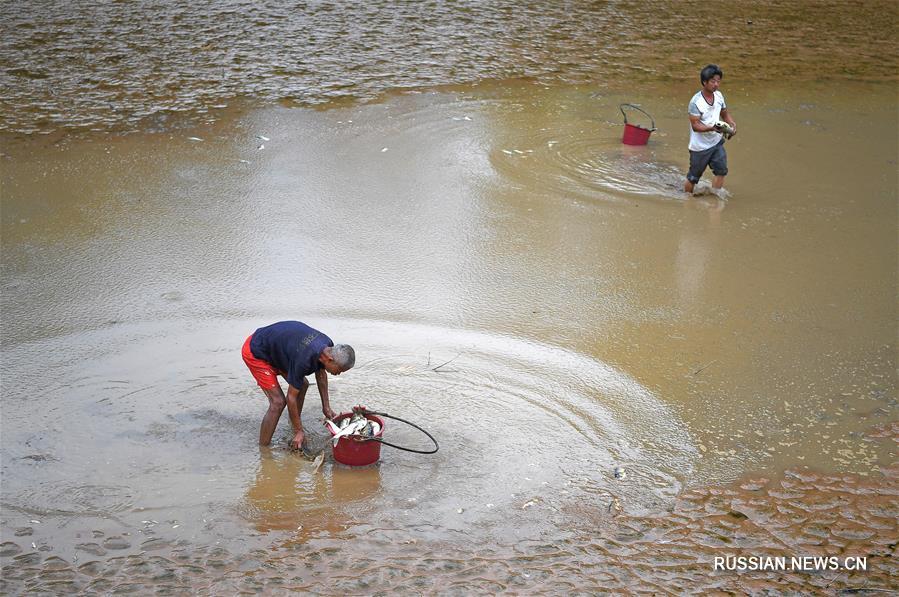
point(143, 66)
point(596, 548)
point(626, 382)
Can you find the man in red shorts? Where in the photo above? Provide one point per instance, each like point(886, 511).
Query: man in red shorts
point(293, 350)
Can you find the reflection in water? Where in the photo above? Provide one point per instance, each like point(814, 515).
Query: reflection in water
point(694, 247)
point(289, 494)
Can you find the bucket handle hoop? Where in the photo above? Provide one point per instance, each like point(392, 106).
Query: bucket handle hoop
point(378, 439)
point(638, 108)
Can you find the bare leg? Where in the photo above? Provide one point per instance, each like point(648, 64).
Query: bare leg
point(718, 182)
point(276, 404)
point(688, 186)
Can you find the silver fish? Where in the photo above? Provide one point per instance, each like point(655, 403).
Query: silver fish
point(317, 463)
point(371, 429)
point(352, 429)
point(725, 129)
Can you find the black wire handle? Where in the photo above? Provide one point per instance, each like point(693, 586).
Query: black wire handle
point(378, 439)
point(635, 107)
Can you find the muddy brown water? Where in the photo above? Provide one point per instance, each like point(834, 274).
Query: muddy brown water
point(542, 298)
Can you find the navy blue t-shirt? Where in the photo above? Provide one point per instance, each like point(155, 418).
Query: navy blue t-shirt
point(290, 346)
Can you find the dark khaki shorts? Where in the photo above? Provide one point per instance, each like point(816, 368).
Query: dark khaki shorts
point(715, 157)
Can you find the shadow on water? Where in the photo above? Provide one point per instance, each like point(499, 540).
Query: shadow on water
point(290, 493)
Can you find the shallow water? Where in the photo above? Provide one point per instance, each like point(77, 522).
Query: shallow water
point(584, 325)
point(542, 298)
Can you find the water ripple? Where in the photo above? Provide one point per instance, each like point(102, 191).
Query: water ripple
point(114, 65)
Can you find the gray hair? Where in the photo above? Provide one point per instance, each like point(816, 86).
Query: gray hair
point(344, 356)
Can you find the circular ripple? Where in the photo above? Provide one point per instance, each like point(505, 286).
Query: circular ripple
point(169, 412)
point(584, 164)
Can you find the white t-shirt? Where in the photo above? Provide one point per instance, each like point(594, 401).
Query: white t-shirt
point(707, 115)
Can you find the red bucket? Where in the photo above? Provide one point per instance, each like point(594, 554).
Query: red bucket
point(355, 451)
point(635, 134)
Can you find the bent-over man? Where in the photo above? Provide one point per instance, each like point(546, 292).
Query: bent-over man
point(293, 350)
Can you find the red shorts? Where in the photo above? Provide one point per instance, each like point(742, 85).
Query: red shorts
point(264, 374)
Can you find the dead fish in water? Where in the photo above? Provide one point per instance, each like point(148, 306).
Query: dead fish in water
point(317, 463)
point(615, 506)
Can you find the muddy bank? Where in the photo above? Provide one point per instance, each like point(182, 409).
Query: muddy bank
point(133, 68)
point(848, 520)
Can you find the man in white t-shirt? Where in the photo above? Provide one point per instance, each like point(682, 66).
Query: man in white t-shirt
point(706, 110)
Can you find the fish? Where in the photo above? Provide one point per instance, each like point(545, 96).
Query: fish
point(352, 429)
point(358, 424)
point(317, 463)
point(615, 506)
point(725, 129)
point(371, 429)
point(347, 420)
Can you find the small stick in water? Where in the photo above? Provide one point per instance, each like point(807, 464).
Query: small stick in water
point(446, 363)
point(701, 369)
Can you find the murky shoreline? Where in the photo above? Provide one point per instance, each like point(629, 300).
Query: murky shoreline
point(802, 515)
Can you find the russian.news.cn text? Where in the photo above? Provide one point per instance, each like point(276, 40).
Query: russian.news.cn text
point(790, 563)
